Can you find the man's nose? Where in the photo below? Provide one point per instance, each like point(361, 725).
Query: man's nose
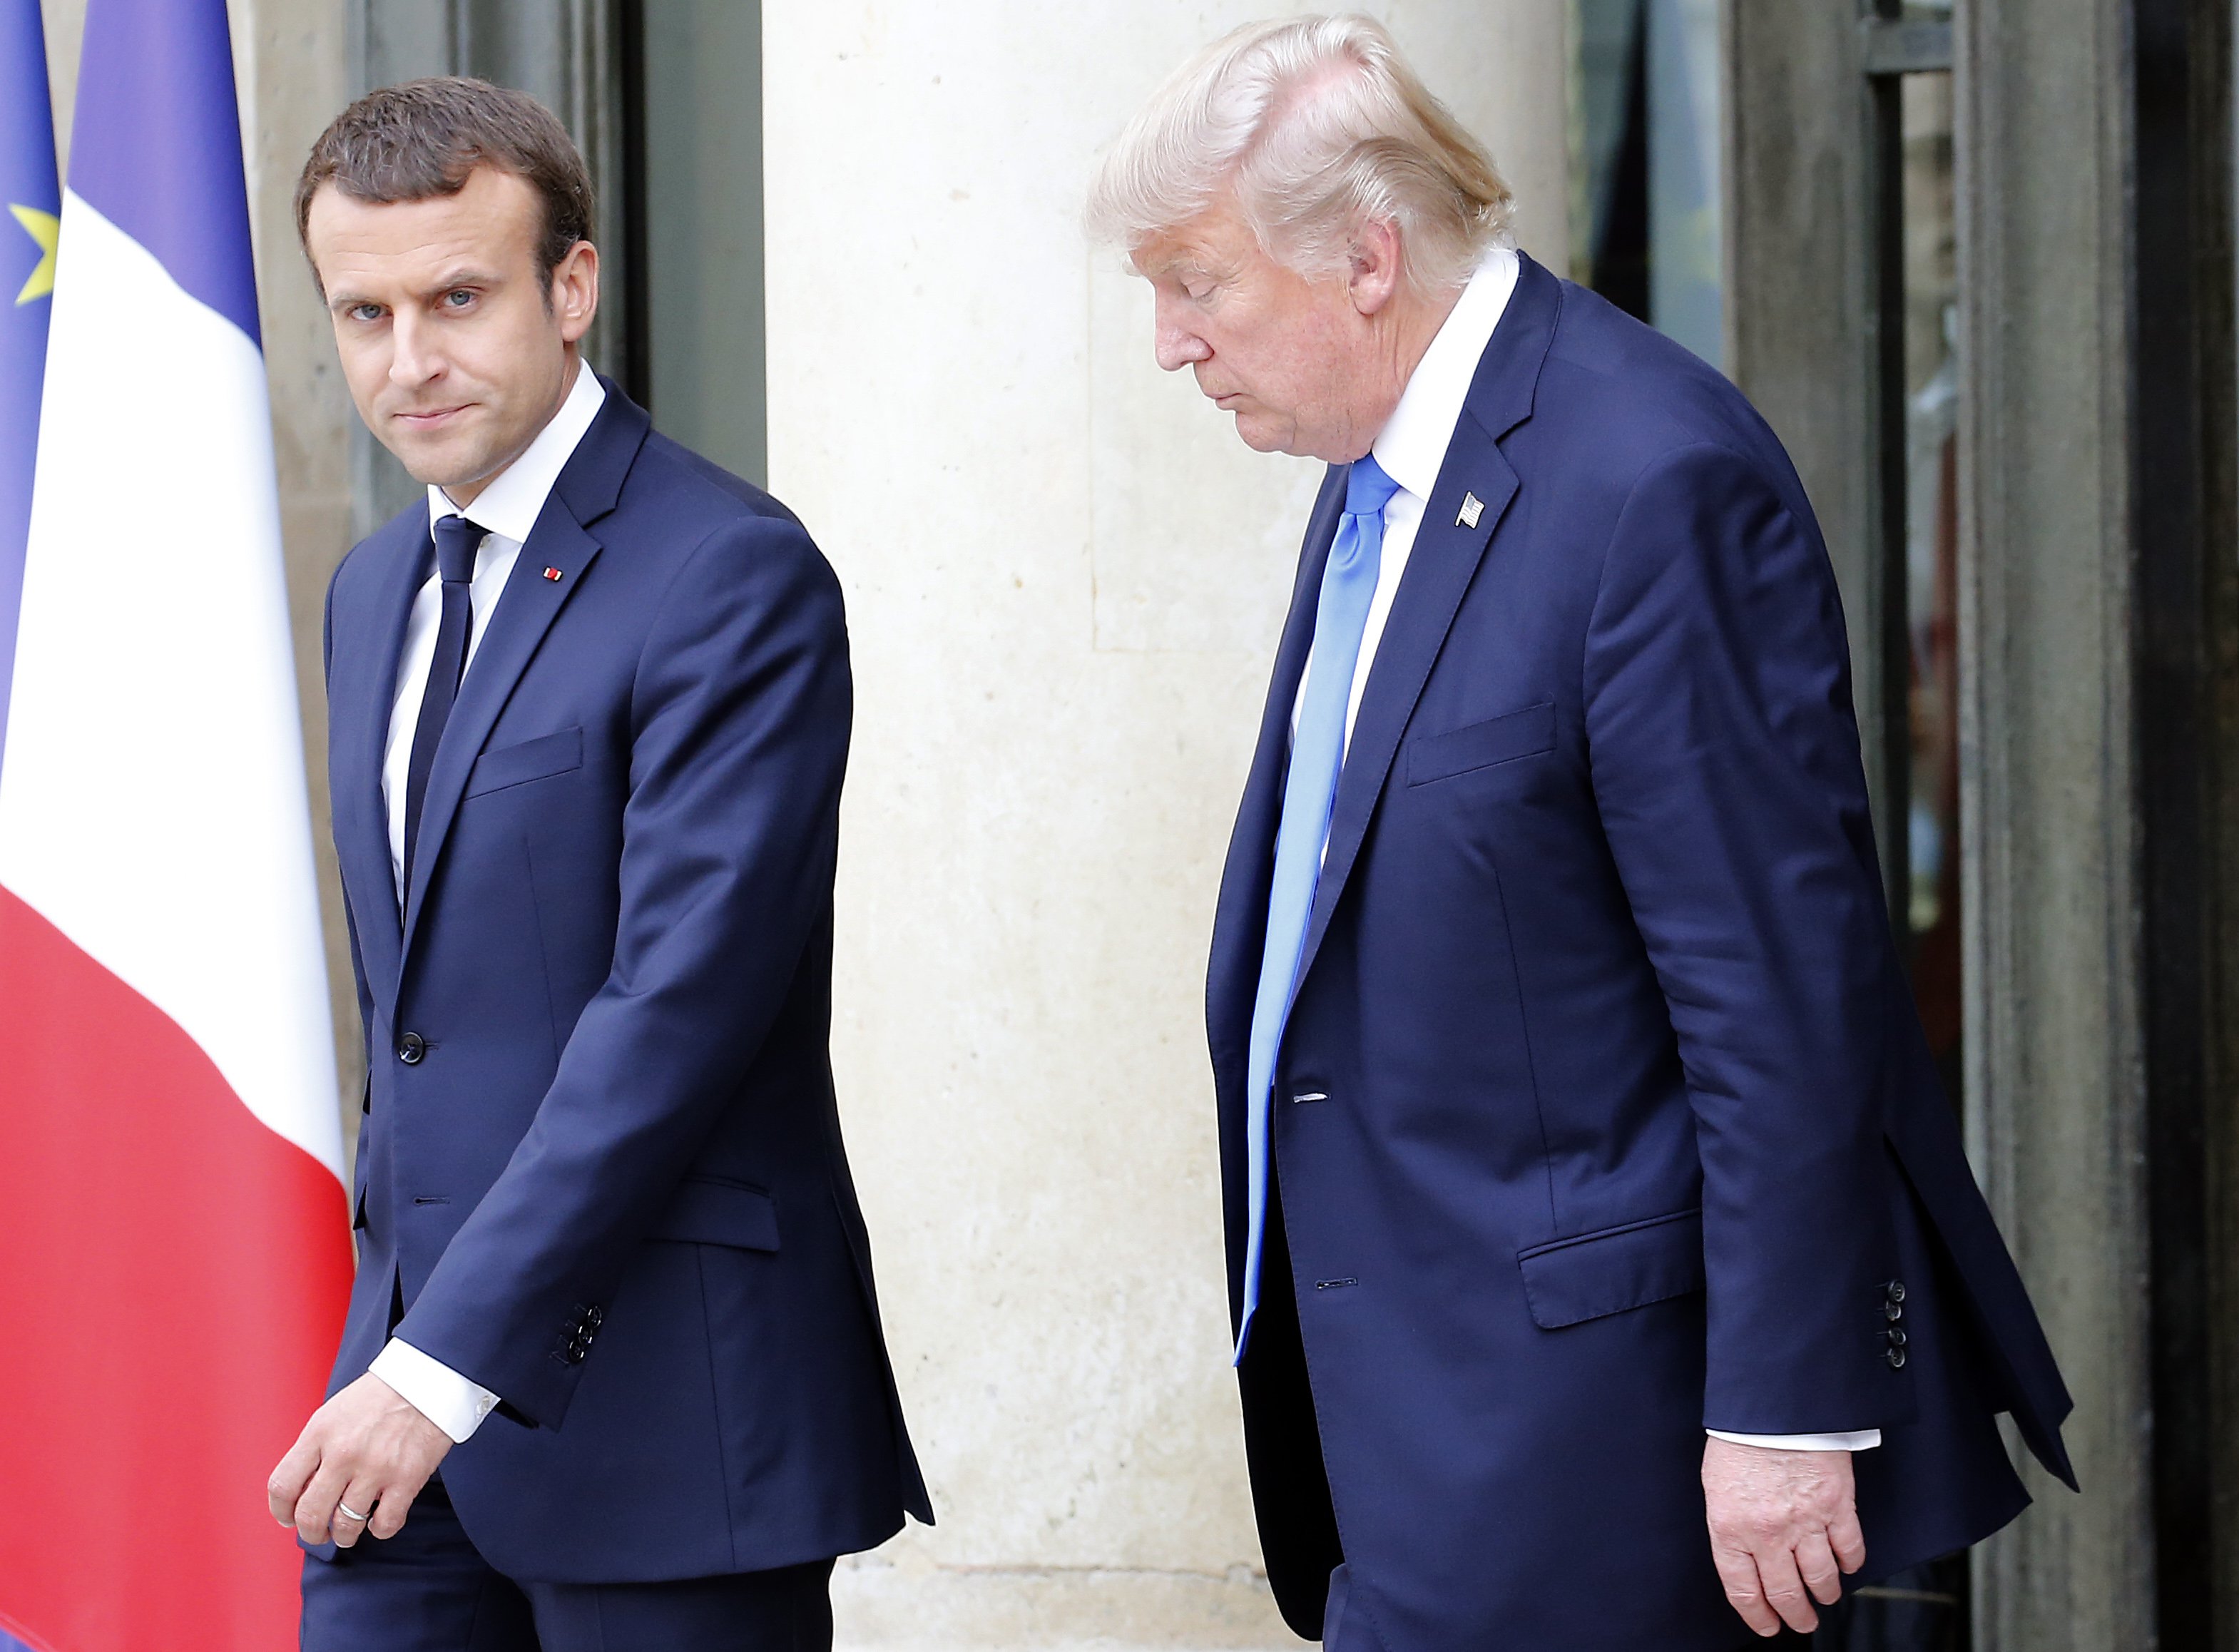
point(414, 358)
point(1177, 346)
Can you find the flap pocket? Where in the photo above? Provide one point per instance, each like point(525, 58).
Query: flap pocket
point(1498, 739)
point(1574, 1280)
point(709, 1213)
point(534, 760)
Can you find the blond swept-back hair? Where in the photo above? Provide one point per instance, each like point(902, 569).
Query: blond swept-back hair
point(1314, 127)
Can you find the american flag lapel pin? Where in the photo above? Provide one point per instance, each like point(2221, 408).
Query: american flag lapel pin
point(1472, 507)
point(554, 573)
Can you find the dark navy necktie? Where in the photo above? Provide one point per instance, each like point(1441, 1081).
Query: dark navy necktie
point(456, 541)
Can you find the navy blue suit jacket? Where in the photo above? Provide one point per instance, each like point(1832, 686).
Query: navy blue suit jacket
point(600, 1167)
point(1604, 1114)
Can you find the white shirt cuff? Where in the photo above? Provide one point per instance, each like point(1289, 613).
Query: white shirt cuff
point(433, 1388)
point(1859, 1439)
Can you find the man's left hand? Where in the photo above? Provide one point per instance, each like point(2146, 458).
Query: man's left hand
point(1784, 1530)
point(358, 1465)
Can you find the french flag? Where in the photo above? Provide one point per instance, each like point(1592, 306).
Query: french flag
point(174, 1243)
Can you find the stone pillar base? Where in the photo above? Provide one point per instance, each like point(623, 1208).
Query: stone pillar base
point(906, 1604)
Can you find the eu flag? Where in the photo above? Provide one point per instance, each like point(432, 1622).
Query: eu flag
point(33, 199)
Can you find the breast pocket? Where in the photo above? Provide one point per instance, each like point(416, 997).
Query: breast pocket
point(536, 759)
point(1498, 739)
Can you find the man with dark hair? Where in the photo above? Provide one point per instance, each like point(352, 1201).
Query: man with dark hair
point(587, 838)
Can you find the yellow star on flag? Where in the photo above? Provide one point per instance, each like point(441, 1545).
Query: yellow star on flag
point(45, 229)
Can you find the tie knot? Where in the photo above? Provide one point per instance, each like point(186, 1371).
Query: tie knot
point(1367, 489)
point(456, 541)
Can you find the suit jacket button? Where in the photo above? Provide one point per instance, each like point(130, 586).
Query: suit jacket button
point(1894, 1291)
point(1896, 1359)
point(410, 1048)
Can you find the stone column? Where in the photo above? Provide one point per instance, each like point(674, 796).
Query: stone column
point(291, 65)
point(2056, 1077)
point(1065, 576)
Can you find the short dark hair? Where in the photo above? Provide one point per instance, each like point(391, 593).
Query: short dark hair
point(424, 138)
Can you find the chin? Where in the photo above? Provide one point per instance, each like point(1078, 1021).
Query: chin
point(438, 466)
point(1259, 438)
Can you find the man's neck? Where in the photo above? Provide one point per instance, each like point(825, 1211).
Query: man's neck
point(464, 493)
point(1411, 325)
point(1415, 330)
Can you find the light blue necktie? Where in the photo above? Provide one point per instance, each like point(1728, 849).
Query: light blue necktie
point(1317, 756)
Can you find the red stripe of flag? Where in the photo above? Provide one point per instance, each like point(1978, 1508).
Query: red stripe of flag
point(172, 1281)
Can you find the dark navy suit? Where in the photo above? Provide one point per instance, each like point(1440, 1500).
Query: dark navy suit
point(1603, 1115)
point(600, 1169)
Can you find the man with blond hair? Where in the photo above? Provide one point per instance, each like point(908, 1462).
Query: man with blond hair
point(1605, 1268)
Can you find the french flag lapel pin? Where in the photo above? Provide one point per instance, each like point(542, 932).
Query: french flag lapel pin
point(553, 574)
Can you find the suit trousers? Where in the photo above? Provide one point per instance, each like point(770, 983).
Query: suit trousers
point(428, 1589)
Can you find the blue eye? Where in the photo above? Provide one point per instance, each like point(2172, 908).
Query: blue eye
point(458, 298)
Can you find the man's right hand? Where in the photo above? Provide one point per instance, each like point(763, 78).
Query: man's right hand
point(366, 1452)
point(1783, 1530)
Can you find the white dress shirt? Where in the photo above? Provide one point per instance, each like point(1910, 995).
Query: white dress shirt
point(508, 508)
point(1412, 448)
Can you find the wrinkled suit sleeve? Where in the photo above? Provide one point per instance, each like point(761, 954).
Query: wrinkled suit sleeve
point(1726, 765)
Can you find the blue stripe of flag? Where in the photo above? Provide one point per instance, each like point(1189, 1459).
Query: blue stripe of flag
point(156, 143)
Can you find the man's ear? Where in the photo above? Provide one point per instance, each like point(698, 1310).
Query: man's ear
point(1378, 262)
point(575, 291)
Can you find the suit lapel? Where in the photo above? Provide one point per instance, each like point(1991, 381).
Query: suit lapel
point(1441, 567)
point(524, 613)
point(361, 693)
point(1240, 919)
point(586, 490)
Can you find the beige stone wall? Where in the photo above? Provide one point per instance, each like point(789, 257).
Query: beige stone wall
point(1066, 577)
point(291, 63)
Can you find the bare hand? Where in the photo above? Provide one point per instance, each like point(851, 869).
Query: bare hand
point(1782, 1523)
point(365, 1452)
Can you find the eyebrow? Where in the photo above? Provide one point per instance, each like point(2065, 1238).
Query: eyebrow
point(1185, 261)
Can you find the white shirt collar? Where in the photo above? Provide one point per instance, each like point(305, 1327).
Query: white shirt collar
point(1414, 440)
point(509, 506)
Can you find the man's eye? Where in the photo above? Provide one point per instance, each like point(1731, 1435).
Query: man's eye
point(459, 298)
point(365, 312)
